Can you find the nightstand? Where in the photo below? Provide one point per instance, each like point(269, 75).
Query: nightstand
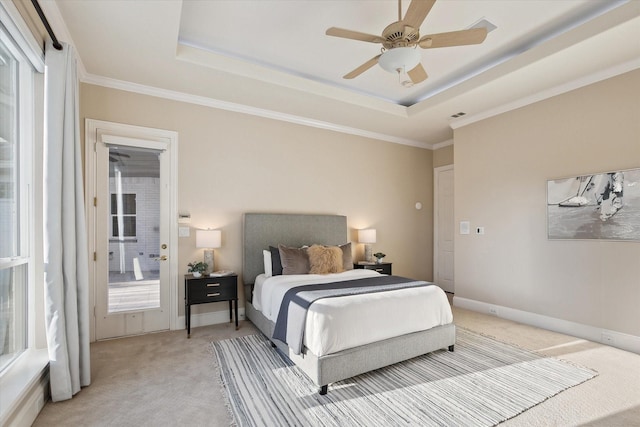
point(206, 289)
point(384, 267)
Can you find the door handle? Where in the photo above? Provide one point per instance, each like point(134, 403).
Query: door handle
point(161, 258)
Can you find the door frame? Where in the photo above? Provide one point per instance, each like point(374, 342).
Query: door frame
point(91, 134)
point(436, 181)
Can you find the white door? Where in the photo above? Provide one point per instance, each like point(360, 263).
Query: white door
point(444, 228)
point(132, 213)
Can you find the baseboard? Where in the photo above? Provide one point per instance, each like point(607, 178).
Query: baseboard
point(210, 318)
point(591, 333)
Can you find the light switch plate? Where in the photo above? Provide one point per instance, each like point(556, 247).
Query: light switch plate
point(465, 226)
point(183, 232)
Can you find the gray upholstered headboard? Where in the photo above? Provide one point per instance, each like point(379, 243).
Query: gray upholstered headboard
point(264, 229)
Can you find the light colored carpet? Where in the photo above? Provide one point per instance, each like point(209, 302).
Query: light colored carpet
point(482, 383)
point(165, 379)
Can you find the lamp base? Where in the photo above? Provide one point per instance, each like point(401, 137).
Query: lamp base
point(208, 259)
point(368, 253)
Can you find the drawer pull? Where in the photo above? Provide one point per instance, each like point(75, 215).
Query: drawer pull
point(214, 294)
point(379, 270)
point(212, 285)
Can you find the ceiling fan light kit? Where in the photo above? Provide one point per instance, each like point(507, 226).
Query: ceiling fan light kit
point(400, 58)
point(400, 40)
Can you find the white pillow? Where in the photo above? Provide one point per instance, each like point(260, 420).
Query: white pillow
point(267, 263)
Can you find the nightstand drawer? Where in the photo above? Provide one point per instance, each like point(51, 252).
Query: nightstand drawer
point(383, 268)
point(211, 289)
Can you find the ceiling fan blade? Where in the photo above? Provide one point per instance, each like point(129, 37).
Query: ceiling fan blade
point(353, 35)
point(361, 69)
point(418, 74)
point(453, 38)
point(417, 12)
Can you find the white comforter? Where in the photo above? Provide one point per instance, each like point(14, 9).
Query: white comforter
point(335, 324)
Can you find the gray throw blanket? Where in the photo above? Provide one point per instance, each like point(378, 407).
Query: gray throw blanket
point(292, 316)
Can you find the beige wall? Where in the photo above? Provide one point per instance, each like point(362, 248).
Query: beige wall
point(443, 156)
point(502, 165)
point(231, 163)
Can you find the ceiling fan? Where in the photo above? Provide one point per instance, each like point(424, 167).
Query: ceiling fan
point(401, 38)
point(115, 157)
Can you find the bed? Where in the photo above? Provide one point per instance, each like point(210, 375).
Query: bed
point(333, 363)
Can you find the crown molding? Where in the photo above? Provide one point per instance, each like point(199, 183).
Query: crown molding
point(549, 93)
point(442, 144)
point(211, 59)
point(244, 109)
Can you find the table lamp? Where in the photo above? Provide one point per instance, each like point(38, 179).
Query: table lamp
point(208, 239)
point(367, 236)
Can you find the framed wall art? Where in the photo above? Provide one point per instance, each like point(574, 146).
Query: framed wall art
point(598, 206)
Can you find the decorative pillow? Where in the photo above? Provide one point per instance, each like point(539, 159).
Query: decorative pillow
point(268, 268)
point(276, 264)
point(294, 260)
point(347, 257)
point(325, 259)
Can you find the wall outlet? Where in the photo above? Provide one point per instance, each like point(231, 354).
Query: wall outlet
point(493, 311)
point(607, 338)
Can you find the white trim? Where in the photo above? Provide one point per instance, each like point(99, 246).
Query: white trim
point(229, 63)
point(442, 144)
point(245, 109)
point(436, 181)
point(91, 130)
point(304, 121)
point(549, 93)
point(22, 35)
point(134, 142)
point(591, 333)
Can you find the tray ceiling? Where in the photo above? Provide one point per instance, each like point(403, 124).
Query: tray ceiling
point(273, 58)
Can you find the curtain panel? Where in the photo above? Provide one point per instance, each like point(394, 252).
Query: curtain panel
point(65, 236)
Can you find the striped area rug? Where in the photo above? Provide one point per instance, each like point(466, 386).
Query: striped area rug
point(482, 383)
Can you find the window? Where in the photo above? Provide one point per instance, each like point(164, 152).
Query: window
point(127, 206)
point(16, 97)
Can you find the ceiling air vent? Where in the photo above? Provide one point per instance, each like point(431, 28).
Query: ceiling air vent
point(483, 23)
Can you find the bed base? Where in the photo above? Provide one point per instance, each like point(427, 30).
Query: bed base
point(263, 229)
point(324, 370)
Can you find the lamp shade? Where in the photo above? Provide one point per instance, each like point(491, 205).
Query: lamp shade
point(399, 58)
point(367, 235)
point(208, 238)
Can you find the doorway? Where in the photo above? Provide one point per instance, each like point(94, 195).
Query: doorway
point(443, 228)
point(131, 176)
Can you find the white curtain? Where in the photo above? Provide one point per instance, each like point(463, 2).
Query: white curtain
point(65, 236)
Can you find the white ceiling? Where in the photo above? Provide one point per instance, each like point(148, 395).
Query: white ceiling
point(272, 58)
